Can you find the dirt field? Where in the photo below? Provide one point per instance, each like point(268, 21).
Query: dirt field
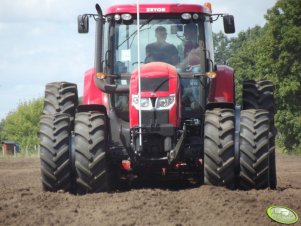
point(22, 201)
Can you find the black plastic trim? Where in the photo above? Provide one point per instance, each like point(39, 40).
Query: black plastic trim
point(213, 105)
point(92, 107)
point(166, 130)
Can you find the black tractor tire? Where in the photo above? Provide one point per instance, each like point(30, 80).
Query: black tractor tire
point(219, 148)
point(260, 95)
point(254, 150)
point(61, 97)
point(54, 152)
point(91, 164)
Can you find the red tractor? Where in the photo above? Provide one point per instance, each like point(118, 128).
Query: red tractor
point(156, 104)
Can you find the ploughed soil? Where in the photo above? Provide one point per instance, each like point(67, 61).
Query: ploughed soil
point(22, 201)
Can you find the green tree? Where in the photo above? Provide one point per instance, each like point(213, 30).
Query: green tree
point(283, 55)
point(2, 133)
point(274, 53)
point(22, 125)
point(221, 48)
point(244, 50)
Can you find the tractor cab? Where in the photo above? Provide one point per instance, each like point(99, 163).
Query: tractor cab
point(168, 35)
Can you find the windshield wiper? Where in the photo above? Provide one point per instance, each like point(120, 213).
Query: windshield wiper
point(135, 32)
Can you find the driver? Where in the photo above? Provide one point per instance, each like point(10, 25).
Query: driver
point(161, 50)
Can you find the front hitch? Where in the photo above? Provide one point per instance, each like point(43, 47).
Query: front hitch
point(175, 153)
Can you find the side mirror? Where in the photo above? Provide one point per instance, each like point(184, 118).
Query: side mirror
point(229, 26)
point(83, 23)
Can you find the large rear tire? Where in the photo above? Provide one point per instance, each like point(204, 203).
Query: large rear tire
point(61, 97)
point(54, 152)
point(219, 148)
point(90, 152)
point(254, 150)
point(260, 95)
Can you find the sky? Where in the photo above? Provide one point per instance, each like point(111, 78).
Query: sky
point(39, 42)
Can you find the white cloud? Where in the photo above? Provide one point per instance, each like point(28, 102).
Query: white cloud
point(52, 10)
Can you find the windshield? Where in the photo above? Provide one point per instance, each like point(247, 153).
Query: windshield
point(163, 40)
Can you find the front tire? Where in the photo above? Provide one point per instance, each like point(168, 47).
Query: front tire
point(54, 152)
point(90, 152)
point(219, 148)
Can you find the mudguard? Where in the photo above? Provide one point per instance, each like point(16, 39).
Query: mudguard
point(223, 89)
point(92, 94)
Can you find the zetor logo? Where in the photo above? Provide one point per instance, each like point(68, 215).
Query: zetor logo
point(150, 10)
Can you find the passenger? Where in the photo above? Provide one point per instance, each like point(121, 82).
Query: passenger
point(191, 38)
point(193, 49)
point(194, 56)
point(193, 52)
point(161, 50)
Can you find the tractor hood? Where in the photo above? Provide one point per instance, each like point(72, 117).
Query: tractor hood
point(159, 94)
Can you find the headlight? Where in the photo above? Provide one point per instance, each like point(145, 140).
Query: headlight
point(165, 103)
point(145, 103)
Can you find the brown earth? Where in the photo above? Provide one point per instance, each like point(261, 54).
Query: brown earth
point(22, 201)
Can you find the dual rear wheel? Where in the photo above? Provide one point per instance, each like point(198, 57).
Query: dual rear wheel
point(72, 145)
point(256, 148)
point(260, 95)
point(56, 125)
point(219, 152)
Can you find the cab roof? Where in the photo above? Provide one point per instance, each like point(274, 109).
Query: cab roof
point(158, 8)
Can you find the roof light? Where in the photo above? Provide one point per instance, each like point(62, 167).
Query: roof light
point(208, 5)
point(186, 16)
point(117, 17)
point(126, 16)
point(195, 16)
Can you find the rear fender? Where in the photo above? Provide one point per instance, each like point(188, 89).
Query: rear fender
point(92, 94)
point(227, 105)
point(223, 89)
point(92, 107)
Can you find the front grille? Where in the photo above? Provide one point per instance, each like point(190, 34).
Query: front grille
point(154, 117)
point(155, 84)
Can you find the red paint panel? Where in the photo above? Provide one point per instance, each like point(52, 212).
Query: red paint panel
point(158, 8)
point(223, 85)
point(92, 94)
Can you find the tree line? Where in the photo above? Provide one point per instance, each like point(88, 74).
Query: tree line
point(22, 125)
point(270, 52)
